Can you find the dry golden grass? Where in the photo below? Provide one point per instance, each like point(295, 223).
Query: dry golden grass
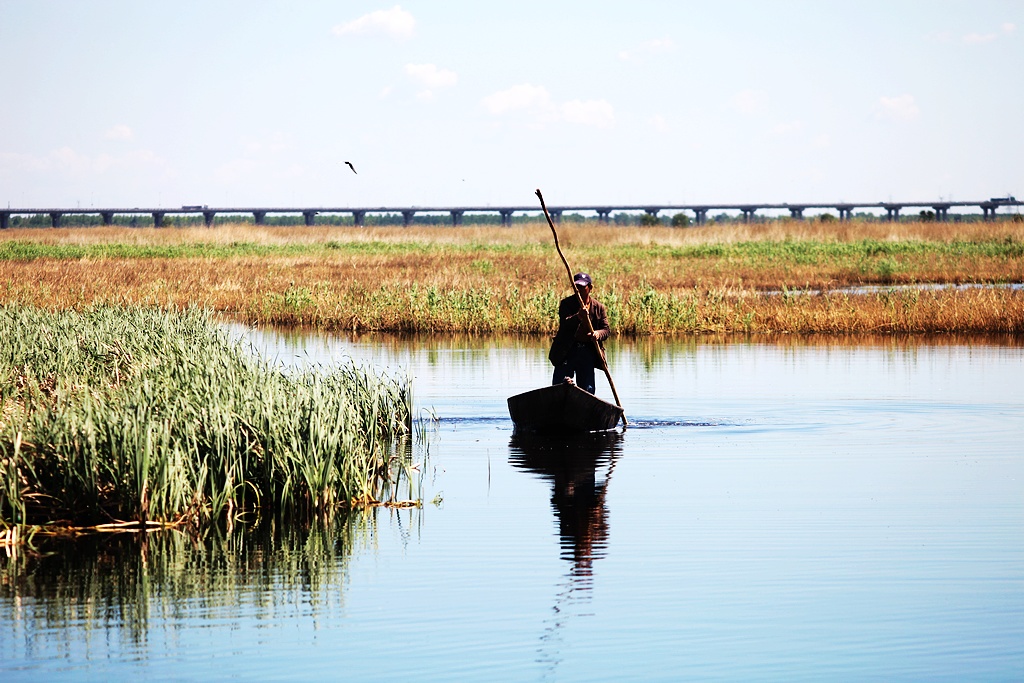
point(492, 279)
point(585, 234)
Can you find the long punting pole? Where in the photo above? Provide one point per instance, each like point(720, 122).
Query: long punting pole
point(590, 325)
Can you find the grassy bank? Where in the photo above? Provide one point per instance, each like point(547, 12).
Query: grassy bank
point(113, 414)
point(719, 279)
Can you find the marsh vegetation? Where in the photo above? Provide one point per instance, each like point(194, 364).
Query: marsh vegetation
point(123, 414)
point(780, 277)
point(123, 401)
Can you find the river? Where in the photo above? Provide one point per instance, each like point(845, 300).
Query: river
point(780, 509)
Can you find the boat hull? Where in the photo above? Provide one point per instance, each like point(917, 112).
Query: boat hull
point(562, 408)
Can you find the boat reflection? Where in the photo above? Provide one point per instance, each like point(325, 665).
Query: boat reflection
point(578, 468)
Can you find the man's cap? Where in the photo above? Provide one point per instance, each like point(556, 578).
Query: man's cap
point(581, 280)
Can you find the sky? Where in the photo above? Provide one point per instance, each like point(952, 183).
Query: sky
point(121, 103)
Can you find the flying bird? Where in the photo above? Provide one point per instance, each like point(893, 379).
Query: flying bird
point(349, 164)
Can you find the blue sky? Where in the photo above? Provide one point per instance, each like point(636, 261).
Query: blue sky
point(127, 103)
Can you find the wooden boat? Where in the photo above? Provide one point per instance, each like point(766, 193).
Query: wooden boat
point(562, 408)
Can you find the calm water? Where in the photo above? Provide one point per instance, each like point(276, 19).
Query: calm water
point(776, 511)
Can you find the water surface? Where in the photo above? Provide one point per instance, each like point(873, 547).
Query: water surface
point(790, 509)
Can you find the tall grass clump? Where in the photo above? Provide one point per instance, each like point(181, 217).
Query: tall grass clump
point(115, 413)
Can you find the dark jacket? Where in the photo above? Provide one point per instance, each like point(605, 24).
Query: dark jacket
point(571, 330)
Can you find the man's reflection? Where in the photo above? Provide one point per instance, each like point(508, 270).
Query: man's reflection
point(573, 464)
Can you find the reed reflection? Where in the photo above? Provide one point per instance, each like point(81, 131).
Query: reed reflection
point(579, 468)
point(142, 587)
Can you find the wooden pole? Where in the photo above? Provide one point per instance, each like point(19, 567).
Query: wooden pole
point(590, 325)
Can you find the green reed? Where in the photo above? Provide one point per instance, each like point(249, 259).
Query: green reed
point(131, 413)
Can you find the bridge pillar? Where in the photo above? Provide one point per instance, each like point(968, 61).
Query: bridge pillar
point(359, 218)
point(310, 217)
point(796, 213)
point(556, 215)
point(457, 218)
point(700, 216)
point(55, 217)
point(602, 215)
point(407, 217)
point(652, 212)
point(208, 217)
point(259, 217)
point(941, 212)
point(108, 217)
point(892, 213)
point(5, 220)
point(506, 217)
point(845, 213)
point(988, 210)
point(158, 219)
point(748, 214)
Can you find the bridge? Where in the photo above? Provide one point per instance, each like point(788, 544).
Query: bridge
point(700, 211)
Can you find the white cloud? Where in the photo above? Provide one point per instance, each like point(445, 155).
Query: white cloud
point(429, 76)
point(979, 38)
point(900, 108)
point(658, 123)
point(257, 173)
point(1006, 28)
point(67, 161)
point(293, 171)
point(119, 132)
point(534, 101)
point(750, 101)
point(394, 22)
point(523, 96)
point(63, 159)
point(659, 45)
point(14, 161)
point(597, 113)
point(277, 141)
point(237, 170)
point(136, 159)
point(787, 127)
point(650, 47)
point(823, 140)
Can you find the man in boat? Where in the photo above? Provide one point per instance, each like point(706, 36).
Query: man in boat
point(573, 351)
